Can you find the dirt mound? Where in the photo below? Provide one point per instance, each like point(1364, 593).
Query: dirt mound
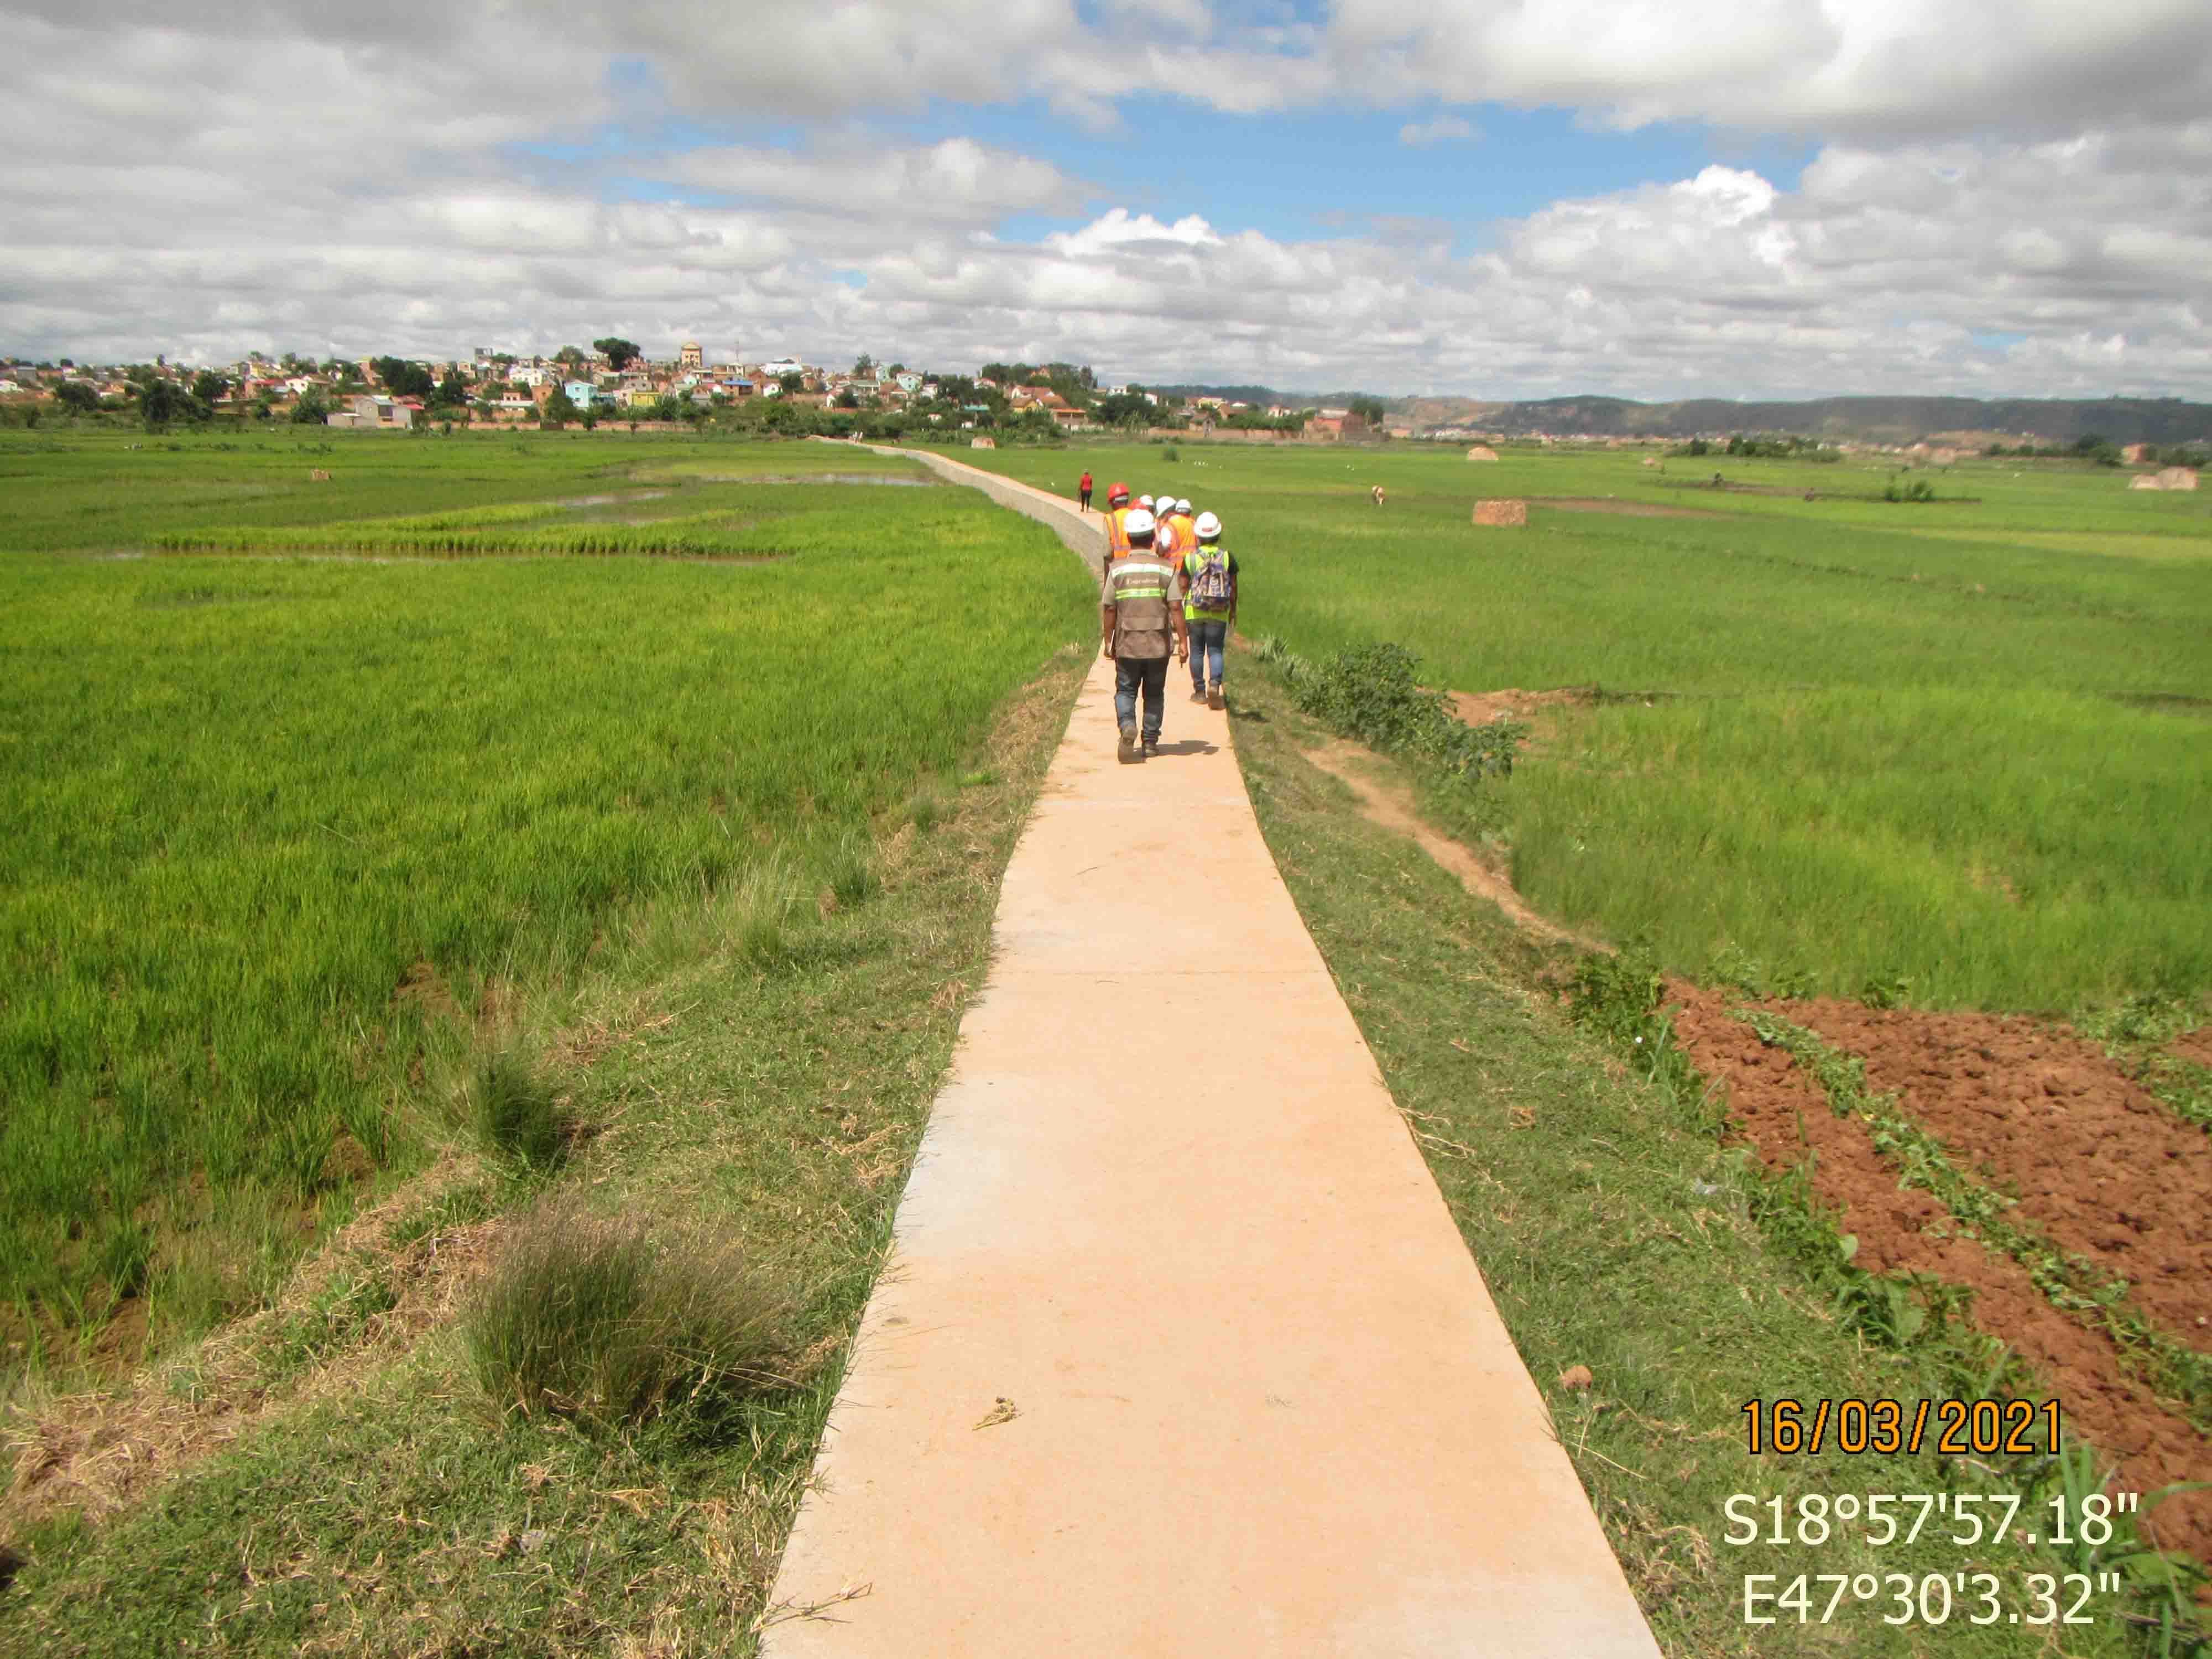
point(1782, 1112)
point(2195, 1046)
point(1532, 709)
point(1624, 509)
point(2099, 1164)
point(1501, 514)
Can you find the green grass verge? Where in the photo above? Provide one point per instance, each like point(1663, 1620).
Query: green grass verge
point(376, 1497)
point(1615, 1233)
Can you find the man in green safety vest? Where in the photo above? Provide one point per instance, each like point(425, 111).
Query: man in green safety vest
point(1142, 623)
point(1208, 579)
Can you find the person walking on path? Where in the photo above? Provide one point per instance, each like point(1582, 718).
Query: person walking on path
point(1141, 623)
point(1082, 491)
point(1117, 534)
point(1208, 577)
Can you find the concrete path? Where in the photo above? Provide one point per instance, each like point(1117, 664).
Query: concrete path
point(1179, 1351)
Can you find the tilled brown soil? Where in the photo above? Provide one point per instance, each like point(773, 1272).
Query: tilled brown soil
point(2100, 1166)
point(2195, 1046)
point(1782, 1113)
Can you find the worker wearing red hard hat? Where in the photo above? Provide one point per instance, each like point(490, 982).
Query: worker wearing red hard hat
point(1117, 525)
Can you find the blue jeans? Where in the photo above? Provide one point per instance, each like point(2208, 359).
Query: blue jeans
point(1206, 638)
point(1149, 674)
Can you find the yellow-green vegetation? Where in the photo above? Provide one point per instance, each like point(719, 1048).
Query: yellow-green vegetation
point(568, 1409)
point(1960, 744)
point(285, 840)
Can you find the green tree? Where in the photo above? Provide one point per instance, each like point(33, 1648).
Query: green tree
point(568, 357)
point(311, 410)
point(79, 396)
point(209, 387)
point(560, 409)
point(401, 378)
point(1369, 410)
point(619, 353)
point(864, 365)
point(162, 400)
point(792, 382)
point(452, 391)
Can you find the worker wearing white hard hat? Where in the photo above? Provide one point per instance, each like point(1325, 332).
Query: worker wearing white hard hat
point(1207, 573)
point(1142, 622)
point(1176, 537)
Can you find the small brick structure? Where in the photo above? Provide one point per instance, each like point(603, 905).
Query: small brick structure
point(1482, 453)
point(1501, 512)
point(982, 443)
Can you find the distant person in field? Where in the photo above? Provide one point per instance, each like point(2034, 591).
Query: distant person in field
point(1083, 491)
point(1142, 623)
point(1208, 581)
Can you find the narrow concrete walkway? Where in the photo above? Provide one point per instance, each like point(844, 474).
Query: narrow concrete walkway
point(1179, 1351)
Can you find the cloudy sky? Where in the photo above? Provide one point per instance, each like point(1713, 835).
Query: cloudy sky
point(1493, 198)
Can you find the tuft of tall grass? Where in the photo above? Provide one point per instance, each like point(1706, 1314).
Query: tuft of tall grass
point(925, 809)
point(516, 1109)
point(763, 910)
point(849, 866)
point(605, 1321)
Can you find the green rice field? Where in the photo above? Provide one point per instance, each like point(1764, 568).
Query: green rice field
point(1962, 746)
point(299, 778)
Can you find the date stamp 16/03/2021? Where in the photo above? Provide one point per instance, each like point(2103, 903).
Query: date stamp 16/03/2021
point(1967, 1521)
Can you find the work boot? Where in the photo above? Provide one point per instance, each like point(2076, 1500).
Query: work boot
point(1152, 747)
point(1198, 694)
point(1130, 753)
point(1217, 696)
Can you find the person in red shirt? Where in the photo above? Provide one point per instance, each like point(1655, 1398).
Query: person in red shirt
point(1083, 490)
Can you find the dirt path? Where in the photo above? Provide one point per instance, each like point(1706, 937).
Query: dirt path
point(1391, 806)
point(1179, 1351)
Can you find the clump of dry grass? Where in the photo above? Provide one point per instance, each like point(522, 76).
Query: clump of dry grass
point(601, 1320)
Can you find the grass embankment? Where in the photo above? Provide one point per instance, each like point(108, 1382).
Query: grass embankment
point(745, 1082)
point(282, 841)
point(1617, 1234)
point(1957, 746)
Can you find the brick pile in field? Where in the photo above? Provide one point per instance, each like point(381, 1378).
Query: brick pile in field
point(2172, 477)
point(1482, 453)
point(1501, 512)
point(982, 443)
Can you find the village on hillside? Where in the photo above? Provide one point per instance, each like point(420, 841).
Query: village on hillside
point(615, 384)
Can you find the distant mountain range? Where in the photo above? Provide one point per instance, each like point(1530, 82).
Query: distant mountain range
point(1872, 419)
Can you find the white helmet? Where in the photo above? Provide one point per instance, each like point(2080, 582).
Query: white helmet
point(1208, 527)
point(1145, 502)
point(1163, 503)
point(1137, 523)
point(1183, 506)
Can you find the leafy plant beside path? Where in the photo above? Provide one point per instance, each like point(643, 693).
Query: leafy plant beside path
point(1371, 694)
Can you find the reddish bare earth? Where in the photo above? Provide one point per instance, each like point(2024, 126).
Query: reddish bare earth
point(2102, 1167)
point(1782, 1112)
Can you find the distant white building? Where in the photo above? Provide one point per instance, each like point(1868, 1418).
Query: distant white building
point(784, 365)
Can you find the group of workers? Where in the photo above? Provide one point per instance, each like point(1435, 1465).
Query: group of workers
point(1167, 586)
